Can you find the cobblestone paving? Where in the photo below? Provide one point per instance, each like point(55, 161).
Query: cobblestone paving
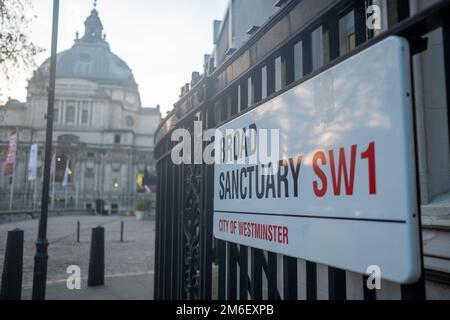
point(135, 255)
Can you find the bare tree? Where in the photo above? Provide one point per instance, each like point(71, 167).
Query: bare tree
point(17, 52)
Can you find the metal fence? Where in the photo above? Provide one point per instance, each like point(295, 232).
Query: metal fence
point(190, 263)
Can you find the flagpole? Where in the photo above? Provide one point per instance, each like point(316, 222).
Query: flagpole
point(53, 180)
point(76, 184)
point(35, 194)
point(41, 257)
point(65, 183)
point(42, 179)
point(13, 177)
point(53, 194)
point(25, 198)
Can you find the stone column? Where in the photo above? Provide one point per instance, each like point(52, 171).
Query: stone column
point(130, 180)
point(81, 185)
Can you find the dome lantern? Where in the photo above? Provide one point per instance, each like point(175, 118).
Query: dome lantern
point(93, 26)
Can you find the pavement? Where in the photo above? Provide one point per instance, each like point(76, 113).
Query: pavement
point(129, 265)
point(117, 287)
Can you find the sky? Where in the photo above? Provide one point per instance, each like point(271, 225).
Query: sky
point(162, 41)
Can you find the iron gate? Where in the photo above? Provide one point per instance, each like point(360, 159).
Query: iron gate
point(190, 263)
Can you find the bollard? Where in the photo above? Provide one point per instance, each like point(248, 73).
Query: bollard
point(96, 276)
point(121, 231)
point(11, 288)
point(78, 231)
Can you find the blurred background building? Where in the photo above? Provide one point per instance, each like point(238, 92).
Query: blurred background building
point(103, 137)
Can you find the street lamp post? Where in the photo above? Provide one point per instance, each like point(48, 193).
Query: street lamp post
point(41, 257)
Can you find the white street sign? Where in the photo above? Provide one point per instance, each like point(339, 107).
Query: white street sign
point(345, 191)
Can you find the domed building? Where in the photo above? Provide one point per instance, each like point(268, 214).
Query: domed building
point(103, 137)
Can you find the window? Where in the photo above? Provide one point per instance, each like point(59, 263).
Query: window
point(239, 98)
point(249, 92)
point(85, 113)
point(228, 106)
point(298, 60)
point(264, 82)
point(70, 115)
point(347, 39)
point(317, 48)
point(85, 116)
point(130, 121)
point(56, 112)
point(326, 46)
point(243, 95)
point(56, 115)
point(117, 139)
point(278, 74)
point(217, 108)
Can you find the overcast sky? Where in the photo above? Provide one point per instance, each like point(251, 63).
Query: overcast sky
point(162, 41)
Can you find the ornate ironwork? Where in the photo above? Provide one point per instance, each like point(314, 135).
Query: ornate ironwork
point(191, 232)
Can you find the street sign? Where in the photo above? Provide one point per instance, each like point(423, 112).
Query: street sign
point(344, 194)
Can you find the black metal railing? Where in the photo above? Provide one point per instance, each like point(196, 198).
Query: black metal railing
point(190, 263)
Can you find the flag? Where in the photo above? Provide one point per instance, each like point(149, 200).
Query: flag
point(53, 167)
point(140, 182)
point(10, 162)
point(32, 163)
point(147, 182)
point(65, 182)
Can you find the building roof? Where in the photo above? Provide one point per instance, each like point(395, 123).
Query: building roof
point(14, 104)
point(91, 58)
point(151, 111)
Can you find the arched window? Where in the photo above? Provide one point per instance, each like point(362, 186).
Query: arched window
point(70, 115)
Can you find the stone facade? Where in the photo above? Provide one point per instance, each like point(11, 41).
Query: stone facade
point(100, 128)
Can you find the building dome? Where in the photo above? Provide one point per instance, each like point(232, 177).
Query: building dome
point(93, 61)
point(91, 58)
